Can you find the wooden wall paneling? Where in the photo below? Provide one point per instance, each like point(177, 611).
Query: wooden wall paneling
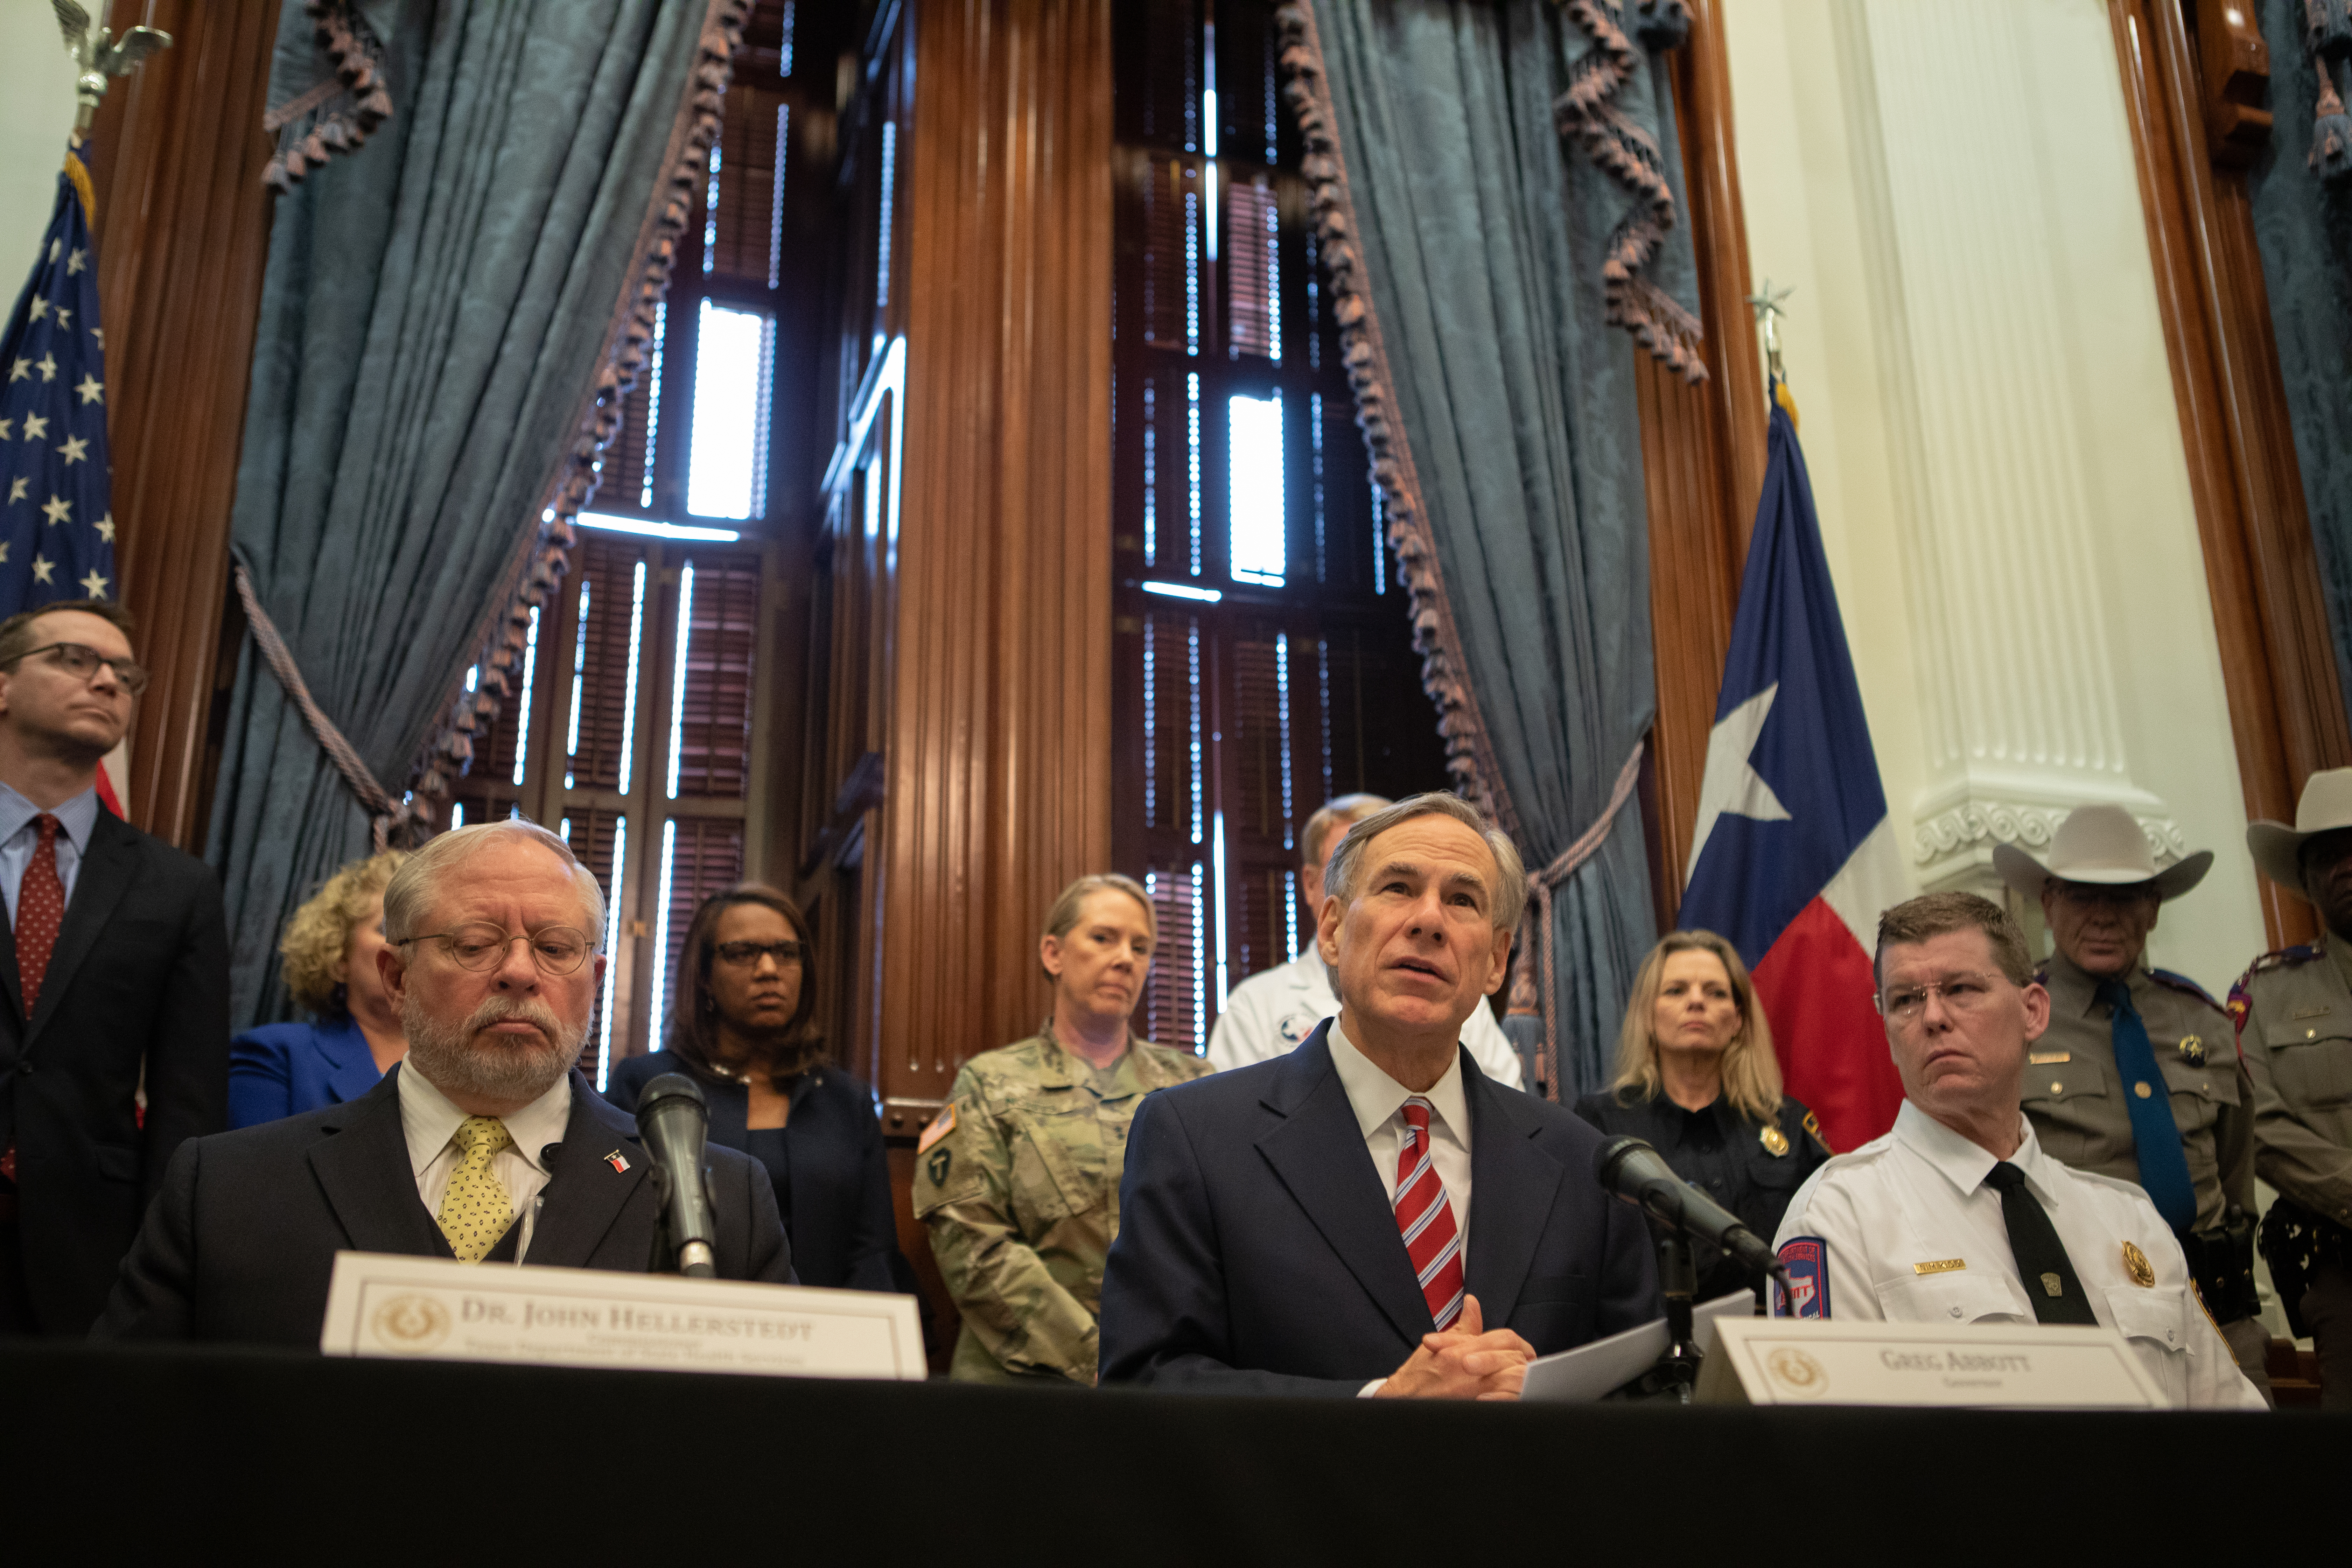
point(2278, 665)
point(1702, 459)
point(998, 750)
point(183, 232)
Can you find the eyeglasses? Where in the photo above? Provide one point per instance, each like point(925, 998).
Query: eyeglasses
point(745, 953)
point(478, 945)
point(82, 662)
point(1961, 994)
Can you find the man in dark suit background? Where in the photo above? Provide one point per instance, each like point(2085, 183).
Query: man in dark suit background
point(114, 963)
point(485, 1145)
point(1351, 1218)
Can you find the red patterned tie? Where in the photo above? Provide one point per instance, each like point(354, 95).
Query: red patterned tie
point(1425, 1214)
point(40, 908)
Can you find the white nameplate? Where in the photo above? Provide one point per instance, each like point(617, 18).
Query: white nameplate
point(437, 1308)
point(1786, 1361)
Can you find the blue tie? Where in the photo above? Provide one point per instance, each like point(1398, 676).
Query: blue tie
point(2163, 1168)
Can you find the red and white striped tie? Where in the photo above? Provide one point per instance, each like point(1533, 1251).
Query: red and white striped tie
point(1425, 1216)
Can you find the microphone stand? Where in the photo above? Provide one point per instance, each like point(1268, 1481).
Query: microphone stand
point(1678, 1283)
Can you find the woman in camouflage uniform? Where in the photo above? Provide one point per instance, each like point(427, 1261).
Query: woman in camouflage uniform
point(1017, 1180)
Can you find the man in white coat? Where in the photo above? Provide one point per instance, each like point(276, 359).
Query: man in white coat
point(1269, 1014)
point(1956, 1215)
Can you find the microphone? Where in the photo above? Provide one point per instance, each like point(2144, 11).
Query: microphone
point(1636, 1171)
point(673, 1124)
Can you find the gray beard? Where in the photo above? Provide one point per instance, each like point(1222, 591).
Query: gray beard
point(458, 1063)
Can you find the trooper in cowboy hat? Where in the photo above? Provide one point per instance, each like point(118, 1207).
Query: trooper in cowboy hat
point(2294, 1013)
point(2134, 1078)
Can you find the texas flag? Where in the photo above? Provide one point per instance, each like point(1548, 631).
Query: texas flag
point(1793, 858)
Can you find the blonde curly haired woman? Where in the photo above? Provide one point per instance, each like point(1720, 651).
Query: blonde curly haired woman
point(354, 1035)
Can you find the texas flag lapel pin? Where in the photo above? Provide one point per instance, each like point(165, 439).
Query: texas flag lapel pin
point(617, 1161)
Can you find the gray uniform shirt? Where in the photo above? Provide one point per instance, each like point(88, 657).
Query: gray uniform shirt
point(2294, 1011)
point(2075, 1096)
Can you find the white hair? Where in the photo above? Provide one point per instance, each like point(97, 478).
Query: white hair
point(413, 889)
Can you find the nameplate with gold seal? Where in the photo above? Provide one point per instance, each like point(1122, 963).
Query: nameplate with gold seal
point(437, 1308)
point(2015, 1366)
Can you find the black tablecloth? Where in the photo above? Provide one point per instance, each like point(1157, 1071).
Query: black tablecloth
point(196, 1455)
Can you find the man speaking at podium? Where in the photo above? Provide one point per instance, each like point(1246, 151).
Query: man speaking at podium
point(1370, 1213)
point(491, 937)
point(1957, 1216)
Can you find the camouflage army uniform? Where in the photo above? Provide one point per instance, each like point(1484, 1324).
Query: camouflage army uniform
point(2074, 1097)
point(2294, 1012)
point(1017, 1182)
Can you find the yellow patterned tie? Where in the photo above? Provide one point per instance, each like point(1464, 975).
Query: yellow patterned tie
point(477, 1208)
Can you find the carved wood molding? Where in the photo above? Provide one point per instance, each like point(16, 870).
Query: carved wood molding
point(1702, 459)
point(183, 235)
point(2278, 664)
point(997, 740)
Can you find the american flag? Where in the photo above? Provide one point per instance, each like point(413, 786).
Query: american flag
point(57, 532)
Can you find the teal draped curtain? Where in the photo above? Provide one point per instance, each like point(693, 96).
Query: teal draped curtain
point(437, 304)
point(2302, 226)
point(1484, 233)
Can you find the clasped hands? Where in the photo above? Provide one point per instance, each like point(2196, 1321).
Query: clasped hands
point(1467, 1361)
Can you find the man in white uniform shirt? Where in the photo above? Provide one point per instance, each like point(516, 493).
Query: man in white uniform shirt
point(1370, 1213)
point(484, 1141)
point(1956, 1215)
point(1275, 1010)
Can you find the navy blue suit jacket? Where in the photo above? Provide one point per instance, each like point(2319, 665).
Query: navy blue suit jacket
point(1257, 1252)
point(284, 1070)
point(840, 1217)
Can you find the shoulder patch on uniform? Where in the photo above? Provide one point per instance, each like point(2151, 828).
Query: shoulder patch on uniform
point(1807, 1259)
point(941, 1125)
point(1814, 1127)
point(2286, 958)
point(2182, 982)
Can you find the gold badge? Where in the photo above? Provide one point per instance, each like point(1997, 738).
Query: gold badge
point(2047, 1058)
point(2052, 1285)
point(2192, 1050)
point(1941, 1265)
point(1774, 1139)
point(2142, 1272)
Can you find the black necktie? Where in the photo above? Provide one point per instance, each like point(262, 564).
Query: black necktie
point(2042, 1264)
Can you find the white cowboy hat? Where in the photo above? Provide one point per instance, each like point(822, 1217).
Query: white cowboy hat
point(2101, 843)
point(2326, 803)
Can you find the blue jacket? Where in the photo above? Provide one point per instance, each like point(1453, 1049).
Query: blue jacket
point(840, 1218)
point(1257, 1252)
point(285, 1069)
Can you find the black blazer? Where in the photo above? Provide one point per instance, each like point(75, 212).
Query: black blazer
point(240, 1245)
point(840, 1218)
point(139, 978)
point(1257, 1252)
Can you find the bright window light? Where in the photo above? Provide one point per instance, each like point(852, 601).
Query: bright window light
point(563, 829)
point(1199, 969)
point(611, 524)
point(1193, 461)
point(1255, 465)
point(710, 219)
point(1217, 860)
point(629, 692)
point(611, 944)
point(579, 681)
point(727, 474)
point(677, 681)
point(1209, 206)
point(661, 934)
point(652, 403)
point(522, 709)
point(457, 815)
point(890, 204)
point(1209, 88)
point(1184, 591)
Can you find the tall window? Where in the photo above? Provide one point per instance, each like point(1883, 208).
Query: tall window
point(638, 730)
point(1264, 655)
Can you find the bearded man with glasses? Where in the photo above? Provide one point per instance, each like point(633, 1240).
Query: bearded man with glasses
point(1956, 1215)
point(485, 1145)
point(114, 977)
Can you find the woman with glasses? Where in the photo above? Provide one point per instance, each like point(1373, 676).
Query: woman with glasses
point(354, 1035)
point(742, 1028)
point(1696, 1080)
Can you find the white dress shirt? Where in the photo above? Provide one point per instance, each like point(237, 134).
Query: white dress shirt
point(1919, 1195)
point(1272, 1013)
point(430, 1122)
point(1378, 1102)
point(20, 836)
